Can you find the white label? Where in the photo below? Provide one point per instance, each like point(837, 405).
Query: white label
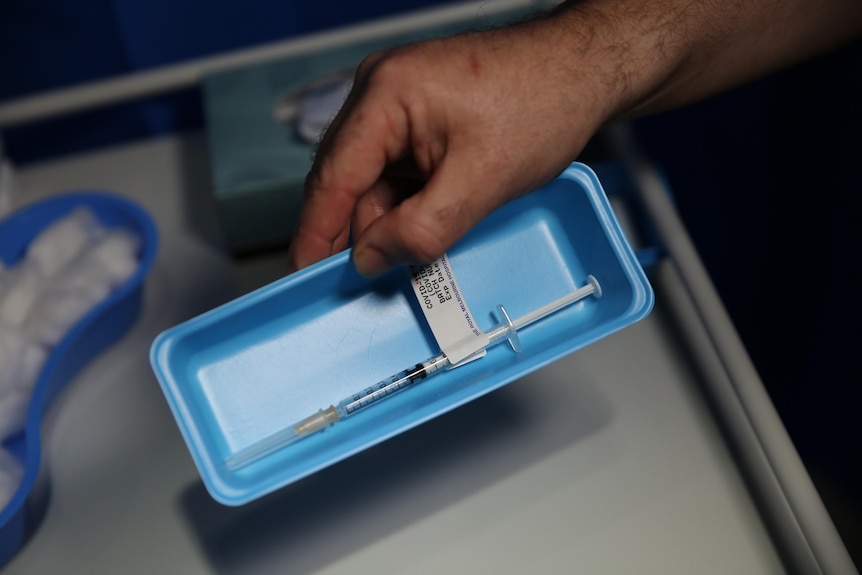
point(446, 310)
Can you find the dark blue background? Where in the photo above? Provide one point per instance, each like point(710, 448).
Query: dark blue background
point(768, 179)
point(47, 44)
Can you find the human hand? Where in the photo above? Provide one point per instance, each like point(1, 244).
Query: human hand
point(436, 135)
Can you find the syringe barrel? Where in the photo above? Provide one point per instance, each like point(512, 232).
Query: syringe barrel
point(499, 334)
point(383, 389)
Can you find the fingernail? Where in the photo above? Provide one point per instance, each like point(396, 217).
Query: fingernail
point(370, 262)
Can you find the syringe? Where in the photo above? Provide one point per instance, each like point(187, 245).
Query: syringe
point(506, 331)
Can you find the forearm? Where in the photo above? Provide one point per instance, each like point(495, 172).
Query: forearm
point(660, 54)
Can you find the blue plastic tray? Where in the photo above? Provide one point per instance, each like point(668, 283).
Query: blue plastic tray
point(103, 325)
point(262, 362)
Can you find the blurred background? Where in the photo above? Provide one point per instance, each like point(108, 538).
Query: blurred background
point(767, 177)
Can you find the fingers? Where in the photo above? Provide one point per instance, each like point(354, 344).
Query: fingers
point(424, 225)
point(352, 156)
point(387, 193)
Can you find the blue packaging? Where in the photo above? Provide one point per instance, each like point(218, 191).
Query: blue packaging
point(252, 367)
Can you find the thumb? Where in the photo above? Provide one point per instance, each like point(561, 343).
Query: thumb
point(425, 225)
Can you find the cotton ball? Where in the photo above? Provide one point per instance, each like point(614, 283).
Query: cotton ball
point(65, 299)
point(11, 346)
point(11, 473)
point(101, 266)
point(21, 361)
point(62, 241)
point(18, 293)
point(82, 284)
point(31, 363)
point(86, 275)
point(59, 309)
point(116, 253)
point(13, 413)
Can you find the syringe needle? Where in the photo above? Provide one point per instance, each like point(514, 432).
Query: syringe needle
point(281, 439)
point(344, 408)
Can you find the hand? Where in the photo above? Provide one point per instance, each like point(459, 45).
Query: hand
point(435, 136)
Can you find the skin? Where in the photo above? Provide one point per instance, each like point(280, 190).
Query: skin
point(436, 135)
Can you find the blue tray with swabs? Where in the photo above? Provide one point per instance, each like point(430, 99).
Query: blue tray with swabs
point(92, 334)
